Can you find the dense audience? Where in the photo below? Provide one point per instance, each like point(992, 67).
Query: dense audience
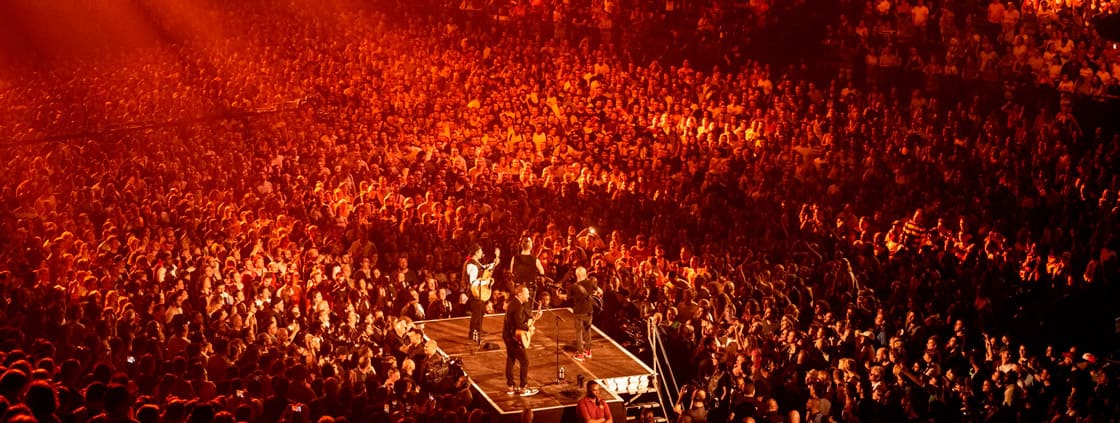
point(248, 228)
point(1052, 44)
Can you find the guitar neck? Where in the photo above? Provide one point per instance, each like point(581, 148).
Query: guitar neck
point(492, 265)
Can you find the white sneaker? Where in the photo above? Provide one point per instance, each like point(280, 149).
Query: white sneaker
point(527, 392)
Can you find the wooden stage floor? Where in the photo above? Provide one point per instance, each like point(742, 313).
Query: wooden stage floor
point(486, 367)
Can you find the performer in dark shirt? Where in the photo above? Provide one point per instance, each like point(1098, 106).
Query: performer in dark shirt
point(526, 267)
point(516, 331)
point(583, 293)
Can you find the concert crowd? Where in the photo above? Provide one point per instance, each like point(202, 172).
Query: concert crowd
point(1048, 43)
point(248, 227)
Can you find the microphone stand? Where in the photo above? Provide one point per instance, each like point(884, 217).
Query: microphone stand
point(557, 339)
point(558, 319)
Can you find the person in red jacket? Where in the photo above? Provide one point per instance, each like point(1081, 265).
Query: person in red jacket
point(592, 408)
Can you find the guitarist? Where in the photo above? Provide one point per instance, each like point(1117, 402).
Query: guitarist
point(479, 285)
point(515, 332)
point(584, 294)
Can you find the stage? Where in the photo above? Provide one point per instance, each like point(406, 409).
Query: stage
point(620, 372)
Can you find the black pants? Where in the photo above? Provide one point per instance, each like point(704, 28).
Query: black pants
point(582, 324)
point(515, 353)
point(478, 309)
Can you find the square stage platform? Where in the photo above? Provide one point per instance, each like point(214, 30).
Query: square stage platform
point(618, 370)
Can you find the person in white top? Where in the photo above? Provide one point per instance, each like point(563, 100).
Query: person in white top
point(478, 286)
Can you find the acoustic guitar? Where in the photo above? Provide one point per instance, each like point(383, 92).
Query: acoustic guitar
point(485, 286)
point(526, 336)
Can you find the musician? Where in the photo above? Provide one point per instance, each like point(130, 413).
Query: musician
point(518, 321)
point(592, 408)
point(525, 267)
point(473, 274)
point(582, 293)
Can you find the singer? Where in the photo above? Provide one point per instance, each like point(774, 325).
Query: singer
point(517, 329)
point(593, 409)
point(479, 285)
